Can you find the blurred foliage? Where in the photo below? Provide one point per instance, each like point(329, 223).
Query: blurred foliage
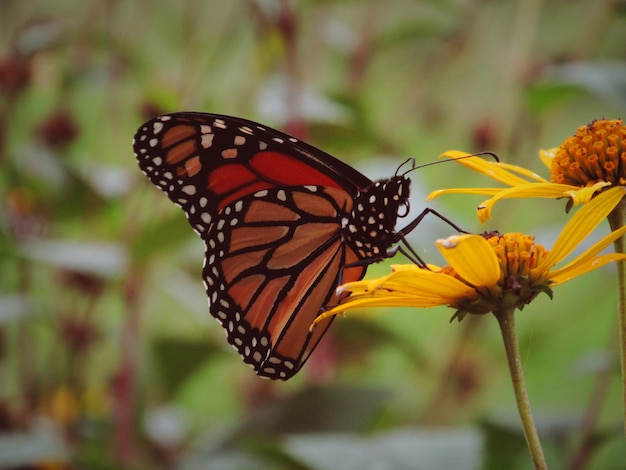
point(108, 355)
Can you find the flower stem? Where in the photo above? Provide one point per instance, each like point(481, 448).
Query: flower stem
point(617, 220)
point(506, 320)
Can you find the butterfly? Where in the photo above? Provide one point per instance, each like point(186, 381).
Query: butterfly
point(283, 224)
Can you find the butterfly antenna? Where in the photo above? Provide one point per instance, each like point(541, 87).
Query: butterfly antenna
point(417, 167)
point(412, 164)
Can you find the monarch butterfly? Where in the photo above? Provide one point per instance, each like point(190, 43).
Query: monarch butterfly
point(283, 223)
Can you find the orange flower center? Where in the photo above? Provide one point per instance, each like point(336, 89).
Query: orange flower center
point(518, 255)
point(596, 153)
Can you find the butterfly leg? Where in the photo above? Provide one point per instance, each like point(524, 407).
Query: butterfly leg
point(406, 230)
point(403, 246)
point(409, 252)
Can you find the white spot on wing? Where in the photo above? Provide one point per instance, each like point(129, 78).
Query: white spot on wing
point(207, 140)
point(189, 189)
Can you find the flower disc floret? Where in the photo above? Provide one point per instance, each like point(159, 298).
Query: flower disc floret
point(596, 153)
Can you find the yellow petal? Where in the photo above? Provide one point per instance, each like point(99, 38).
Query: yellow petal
point(522, 171)
point(571, 271)
point(528, 190)
point(547, 155)
point(592, 251)
point(409, 280)
point(582, 223)
point(582, 195)
point(407, 287)
point(481, 191)
point(355, 304)
point(472, 258)
point(480, 165)
point(409, 267)
point(425, 284)
point(455, 154)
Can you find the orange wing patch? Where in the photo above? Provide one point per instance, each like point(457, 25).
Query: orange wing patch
point(319, 206)
point(261, 210)
point(243, 238)
point(305, 239)
point(176, 135)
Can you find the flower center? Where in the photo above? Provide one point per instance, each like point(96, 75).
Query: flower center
point(596, 153)
point(517, 255)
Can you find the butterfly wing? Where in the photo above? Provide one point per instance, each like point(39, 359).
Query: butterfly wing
point(204, 161)
point(279, 255)
point(269, 210)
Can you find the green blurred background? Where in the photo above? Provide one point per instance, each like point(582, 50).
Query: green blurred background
point(108, 355)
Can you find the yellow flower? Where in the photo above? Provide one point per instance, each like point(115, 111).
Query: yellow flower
point(584, 164)
point(493, 272)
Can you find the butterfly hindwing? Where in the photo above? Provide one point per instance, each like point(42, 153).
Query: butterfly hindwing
point(272, 260)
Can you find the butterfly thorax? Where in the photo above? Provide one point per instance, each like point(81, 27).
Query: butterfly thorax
point(370, 227)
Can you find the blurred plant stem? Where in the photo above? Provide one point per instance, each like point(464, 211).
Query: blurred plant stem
point(587, 429)
point(506, 320)
point(26, 358)
point(435, 409)
point(616, 220)
point(125, 382)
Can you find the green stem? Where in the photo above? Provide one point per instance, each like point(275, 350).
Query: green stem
point(506, 320)
point(616, 220)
